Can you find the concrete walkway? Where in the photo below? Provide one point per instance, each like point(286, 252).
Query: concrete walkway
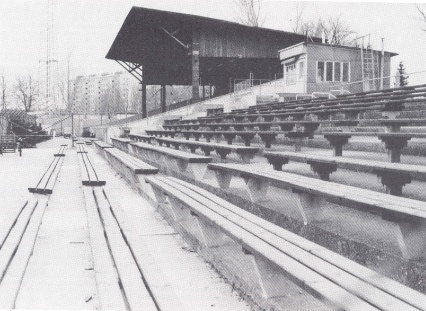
point(61, 275)
point(195, 283)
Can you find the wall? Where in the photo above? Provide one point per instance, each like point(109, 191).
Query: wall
point(105, 133)
point(295, 80)
point(245, 42)
point(339, 54)
point(248, 97)
point(330, 53)
point(238, 100)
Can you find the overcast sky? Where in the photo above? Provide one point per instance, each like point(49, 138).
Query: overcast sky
point(85, 29)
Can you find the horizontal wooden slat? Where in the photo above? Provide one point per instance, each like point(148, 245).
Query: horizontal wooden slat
point(351, 163)
point(102, 144)
point(362, 198)
point(369, 276)
point(214, 145)
point(255, 241)
point(135, 164)
point(174, 153)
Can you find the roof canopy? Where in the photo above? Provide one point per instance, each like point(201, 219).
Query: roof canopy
point(161, 42)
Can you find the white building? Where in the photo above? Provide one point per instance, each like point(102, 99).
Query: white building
point(108, 93)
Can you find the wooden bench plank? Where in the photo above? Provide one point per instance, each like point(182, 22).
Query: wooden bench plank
point(394, 142)
point(371, 277)
point(191, 165)
point(48, 179)
point(140, 137)
point(88, 172)
point(362, 197)
point(190, 158)
point(324, 279)
point(393, 175)
point(137, 294)
point(135, 164)
point(245, 153)
point(353, 163)
point(408, 214)
point(121, 143)
point(102, 144)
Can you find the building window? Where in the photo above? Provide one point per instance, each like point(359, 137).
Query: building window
point(301, 70)
point(329, 72)
point(290, 67)
point(345, 72)
point(337, 71)
point(333, 72)
point(290, 71)
point(320, 72)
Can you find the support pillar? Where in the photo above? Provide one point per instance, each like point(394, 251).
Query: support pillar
point(323, 169)
point(267, 138)
point(195, 58)
point(277, 162)
point(257, 189)
point(144, 115)
point(270, 279)
point(337, 141)
point(163, 98)
point(394, 181)
point(394, 144)
point(297, 138)
point(310, 206)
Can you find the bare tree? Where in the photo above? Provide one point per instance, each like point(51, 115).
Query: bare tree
point(3, 86)
point(251, 12)
point(135, 98)
point(63, 90)
point(338, 31)
point(422, 12)
point(335, 30)
point(26, 92)
point(300, 26)
point(107, 102)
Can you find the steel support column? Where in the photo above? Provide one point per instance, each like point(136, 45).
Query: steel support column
point(195, 65)
point(136, 70)
point(144, 115)
point(163, 98)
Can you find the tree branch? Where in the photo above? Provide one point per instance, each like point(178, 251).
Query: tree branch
point(423, 16)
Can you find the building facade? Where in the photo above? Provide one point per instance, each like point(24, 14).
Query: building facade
point(108, 93)
point(317, 67)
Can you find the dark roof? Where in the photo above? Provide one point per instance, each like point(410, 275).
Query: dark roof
point(142, 18)
point(143, 40)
